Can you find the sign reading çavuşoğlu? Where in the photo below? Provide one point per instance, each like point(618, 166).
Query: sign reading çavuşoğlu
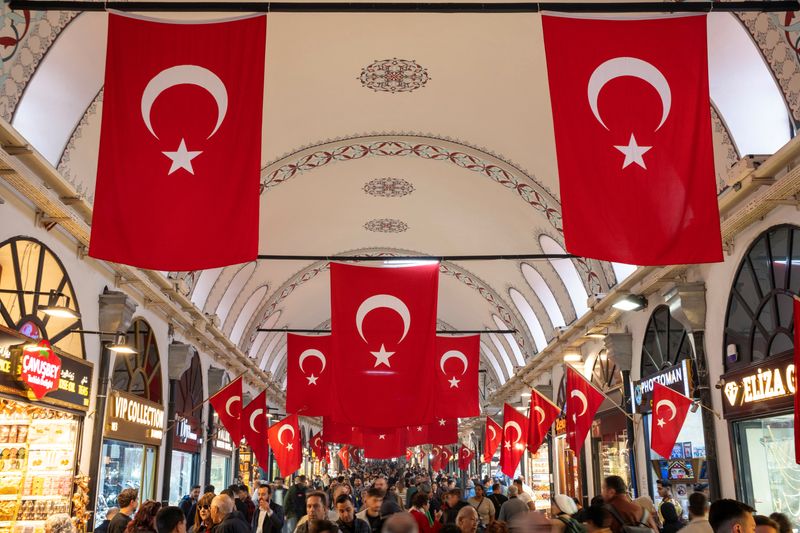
point(38, 367)
point(133, 418)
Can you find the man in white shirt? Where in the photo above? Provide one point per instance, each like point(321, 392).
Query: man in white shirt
point(268, 517)
point(698, 521)
point(524, 496)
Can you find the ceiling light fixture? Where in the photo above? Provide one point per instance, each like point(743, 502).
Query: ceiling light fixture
point(409, 262)
point(51, 309)
point(121, 345)
point(631, 302)
point(573, 357)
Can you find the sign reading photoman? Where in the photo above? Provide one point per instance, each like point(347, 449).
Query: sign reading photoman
point(677, 378)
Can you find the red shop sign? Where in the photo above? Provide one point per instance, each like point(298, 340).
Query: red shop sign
point(39, 368)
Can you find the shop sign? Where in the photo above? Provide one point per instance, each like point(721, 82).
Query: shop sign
point(222, 441)
point(132, 418)
point(185, 432)
point(38, 367)
point(677, 378)
point(757, 389)
point(561, 425)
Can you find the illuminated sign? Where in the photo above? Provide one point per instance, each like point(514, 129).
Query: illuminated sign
point(760, 388)
point(677, 378)
point(37, 367)
point(133, 418)
point(561, 425)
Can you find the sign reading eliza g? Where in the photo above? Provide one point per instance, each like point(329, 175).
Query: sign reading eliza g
point(766, 387)
point(38, 367)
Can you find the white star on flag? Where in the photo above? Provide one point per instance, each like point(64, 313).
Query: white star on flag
point(289, 446)
point(382, 437)
point(507, 445)
point(633, 153)
point(382, 357)
point(661, 423)
point(442, 421)
point(454, 382)
point(419, 428)
point(312, 379)
point(181, 158)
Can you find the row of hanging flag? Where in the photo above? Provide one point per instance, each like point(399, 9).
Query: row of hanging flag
point(182, 124)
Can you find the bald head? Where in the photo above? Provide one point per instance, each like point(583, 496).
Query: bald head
point(400, 523)
point(467, 519)
point(221, 506)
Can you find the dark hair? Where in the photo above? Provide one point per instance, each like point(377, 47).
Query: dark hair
point(597, 515)
point(495, 487)
point(299, 478)
point(233, 488)
point(479, 486)
point(196, 487)
point(454, 492)
point(375, 492)
point(419, 499)
point(783, 521)
point(597, 500)
point(127, 496)
point(229, 492)
point(698, 503)
point(168, 518)
point(319, 494)
point(762, 520)
point(205, 499)
point(265, 486)
point(450, 528)
point(320, 526)
point(244, 488)
point(343, 498)
point(145, 517)
point(497, 526)
point(725, 510)
point(617, 484)
point(209, 488)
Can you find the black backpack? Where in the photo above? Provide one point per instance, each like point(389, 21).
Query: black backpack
point(571, 525)
point(299, 503)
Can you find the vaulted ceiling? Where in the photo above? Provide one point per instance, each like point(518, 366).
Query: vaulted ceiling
point(453, 156)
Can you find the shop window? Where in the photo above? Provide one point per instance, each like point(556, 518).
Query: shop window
point(666, 342)
point(140, 373)
point(759, 320)
point(28, 265)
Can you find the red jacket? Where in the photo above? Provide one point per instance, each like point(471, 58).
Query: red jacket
point(423, 524)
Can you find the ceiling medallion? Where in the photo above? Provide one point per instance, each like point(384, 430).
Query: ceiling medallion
point(388, 187)
point(386, 225)
point(394, 76)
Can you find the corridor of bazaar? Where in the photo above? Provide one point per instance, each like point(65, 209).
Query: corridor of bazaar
point(439, 267)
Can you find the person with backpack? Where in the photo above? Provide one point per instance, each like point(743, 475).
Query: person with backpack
point(626, 516)
point(562, 507)
point(295, 503)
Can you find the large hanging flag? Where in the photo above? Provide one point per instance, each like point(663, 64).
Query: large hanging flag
point(644, 149)
point(227, 403)
point(492, 439)
point(669, 413)
point(344, 456)
point(543, 413)
point(284, 439)
point(457, 360)
point(465, 456)
point(417, 435)
point(515, 436)
point(308, 375)
point(384, 321)
point(180, 144)
point(583, 401)
point(384, 443)
point(443, 431)
point(254, 426)
point(318, 445)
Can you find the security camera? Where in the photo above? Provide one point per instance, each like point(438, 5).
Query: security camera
point(720, 383)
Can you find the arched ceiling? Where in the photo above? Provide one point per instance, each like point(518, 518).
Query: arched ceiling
point(459, 161)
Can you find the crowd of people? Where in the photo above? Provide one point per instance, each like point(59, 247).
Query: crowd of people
point(384, 498)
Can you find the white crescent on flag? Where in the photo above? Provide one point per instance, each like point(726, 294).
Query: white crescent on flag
point(389, 302)
point(494, 432)
point(458, 355)
point(670, 405)
point(513, 424)
point(282, 429)
point(582, 397)
point(539, 410)
point(229, 403)
point(311, 352)
point(253, 415)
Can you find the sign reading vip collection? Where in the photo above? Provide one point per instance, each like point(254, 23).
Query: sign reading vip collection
point(134, 419)
point(758, 389)
point(677, 378)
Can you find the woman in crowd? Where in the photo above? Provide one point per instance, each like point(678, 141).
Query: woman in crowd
point(202, 517)
point(420, 510)
point(672, 523)
point(144, 521)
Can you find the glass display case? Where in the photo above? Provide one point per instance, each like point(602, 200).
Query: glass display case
point(539, 477)
point(614, 456)
point(125, 465)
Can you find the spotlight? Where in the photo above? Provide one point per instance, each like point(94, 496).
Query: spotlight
point(631, 302)
point(573, 357)
point(121, 345)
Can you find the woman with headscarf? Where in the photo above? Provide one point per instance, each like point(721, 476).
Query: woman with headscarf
point(562, 507)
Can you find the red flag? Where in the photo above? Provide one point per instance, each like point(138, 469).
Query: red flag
point(640, 93)
point(227, 403)
point(515, 436)
point(669, 413)
point(542, 415)
point(583, 400)
point(436, 460)
point(327, 457)
point(288, 449)
point(796, 396)
point(417, 435)
point(309, 380)
point(465, 456)
point(180, 144)
point(254, 416)
point(340, 433)
point(493, 438)
point(409, 454)
point(318, 445)
point(443, 431)
point(457, 360)
point(355, 454)
point(447, 456)
point(384, 443)
point(344, 455)
point(384, 319)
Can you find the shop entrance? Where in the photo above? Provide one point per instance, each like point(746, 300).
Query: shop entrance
point(126, 465)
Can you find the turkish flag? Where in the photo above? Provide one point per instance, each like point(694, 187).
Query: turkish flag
point(443, 431)
point(457, 360)
point(583, 401)
point(409, 454)
point(669, 413)
point(308, 374)
point(227, 403)
point(493, 438)
point(327, 457)
point(287, 449)
point(515, 436)
point(344, 455)
point(417, 435)
point(180, 144)
point(254, 417)
point(543, 413)
point(465, 456)
point(355, 454)
point(318, 445)
point(796, 365)
point(340, 433)
point(436, 460)
point(447, 456)
point(384, 443)
point(384, 320)
point(643, 150)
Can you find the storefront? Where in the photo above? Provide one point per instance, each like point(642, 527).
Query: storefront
point(44, 395)
point(538, 476)
point(187, 431)
point(759, 381)
point(221, 456)
point(570, 478)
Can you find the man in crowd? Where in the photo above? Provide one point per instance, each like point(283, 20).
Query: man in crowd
point(250, 507)
point(316, 509)
point(127, 501)
point(348, 522)
point(498, 499)
point(390, 502)
point(278, 491)
point(698, 508)
point(189, 500)
point(765, 524)
point(372, 509)
point(467, 519)
point(454, 504)
point(225, 517)
point(730, 516)
point(294, 505)
point(268, 517)
point(523, 495)
point(623, 511)
point(513, 506)
point(110, 514)
point(172, 519)
point(664, 489)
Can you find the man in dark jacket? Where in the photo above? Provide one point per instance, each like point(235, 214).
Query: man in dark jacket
point(497, 499)
point(225, 517)
point(110, 514)
point(294, 505)
point(268, 517)
point(189, 501)
point(127, 500)
point(454, 505)
point(348, 522)
point(316, 509)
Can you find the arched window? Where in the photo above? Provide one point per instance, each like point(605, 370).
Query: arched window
point(190, 390)
point(139, 373)
point(605, 373)
point(28, 265)
point(665, 342)
point(568, 274)
point(759, 321)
